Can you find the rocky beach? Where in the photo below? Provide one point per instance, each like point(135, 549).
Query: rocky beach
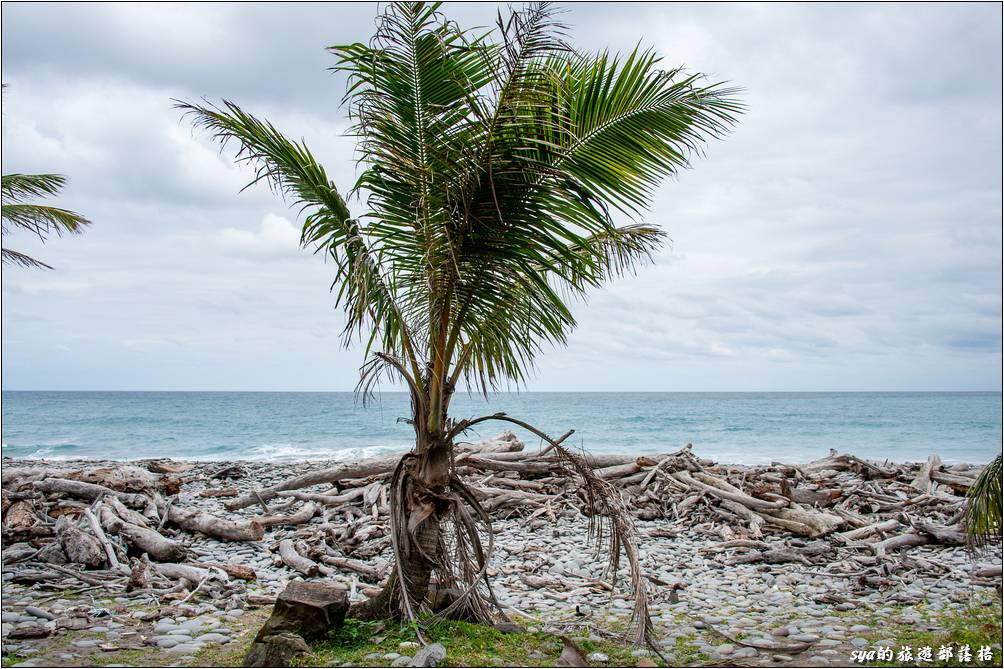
point(785, 564)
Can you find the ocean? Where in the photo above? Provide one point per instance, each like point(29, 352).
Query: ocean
point(743, 428)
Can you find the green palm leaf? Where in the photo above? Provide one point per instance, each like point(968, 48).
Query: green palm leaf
point(982, 518)
point(40, 220)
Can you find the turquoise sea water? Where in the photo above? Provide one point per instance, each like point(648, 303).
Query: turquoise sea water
point(744, 428)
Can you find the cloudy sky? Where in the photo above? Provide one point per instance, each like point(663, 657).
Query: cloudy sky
point(847, 236)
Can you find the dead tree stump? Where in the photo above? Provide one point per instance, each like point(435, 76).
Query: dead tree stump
point(303, 611)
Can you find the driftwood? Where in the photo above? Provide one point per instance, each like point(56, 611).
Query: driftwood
point(306, 512)
point(838, 515)
point(194, 520)
point(88, 491)
point(293, 560)
point(331, 475)
point(144, 539)
point(78, 546)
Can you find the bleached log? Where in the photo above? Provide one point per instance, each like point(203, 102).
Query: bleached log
point(88, 491)
point(190, 573)
point(327, 500)
point(954, 481)
point(330, 475)
point(238, 571)
point(529, 467)
point(125, 513)
point(719, 491)
point(923, 482)
point(194, 520)
point(899, 541)
point(617, 471)
point(306, 512)
point(292, 559)
point(99, 534)
point(818, 522)
point(144, 539)
point(367, 571)
point(507, 442)
point(79, 547)
point(754, 521)
point(123, 478)
point(868, 530)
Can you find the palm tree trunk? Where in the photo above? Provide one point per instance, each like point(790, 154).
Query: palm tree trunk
point(427, 473)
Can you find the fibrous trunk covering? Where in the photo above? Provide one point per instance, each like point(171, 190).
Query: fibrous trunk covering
point(436, 539)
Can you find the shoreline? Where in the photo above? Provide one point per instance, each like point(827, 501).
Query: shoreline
point(705, 583)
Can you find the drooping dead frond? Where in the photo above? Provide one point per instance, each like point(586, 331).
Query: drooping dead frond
point(464, 559)
point(608, 518)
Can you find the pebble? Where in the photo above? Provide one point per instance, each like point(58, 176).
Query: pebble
point(859, 642)
point(39, 613)
point(597, 656)
point(87, 643)
point(805, 638)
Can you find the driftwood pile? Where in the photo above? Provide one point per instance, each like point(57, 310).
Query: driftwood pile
point(123, 528)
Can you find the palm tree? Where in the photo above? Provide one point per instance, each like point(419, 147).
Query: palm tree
point(493, 166)
point(39, 219)
point(982, 518)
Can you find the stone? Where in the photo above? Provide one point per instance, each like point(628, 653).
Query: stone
point(165, 628)
point(304, 610)
point(507, 627)
point(30, 631)
point(430, 656)
point(725, 649)
point(167, 641)
point(805, 638)
point(859, 642)
point(213, 637)
point(597, 656)
point(409, 645)
point(39, 613)
point(403, 661)
point(276, 650)
point(646, 662)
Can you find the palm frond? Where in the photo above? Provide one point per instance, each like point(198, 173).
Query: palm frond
point(982, 518)
point(11, 257)
point(38, 219)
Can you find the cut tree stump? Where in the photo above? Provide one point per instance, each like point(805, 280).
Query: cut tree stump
point(302, 611)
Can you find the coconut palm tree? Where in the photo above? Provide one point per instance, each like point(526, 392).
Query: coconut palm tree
point(494, 168)
point(41, 220)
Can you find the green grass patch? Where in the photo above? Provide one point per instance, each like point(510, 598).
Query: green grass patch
point(363, 644)
point(976, 625)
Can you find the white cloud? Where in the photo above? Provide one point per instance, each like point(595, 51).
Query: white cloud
point(276, 237)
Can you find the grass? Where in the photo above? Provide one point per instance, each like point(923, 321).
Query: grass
point(467, 645)
point(975, 625)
